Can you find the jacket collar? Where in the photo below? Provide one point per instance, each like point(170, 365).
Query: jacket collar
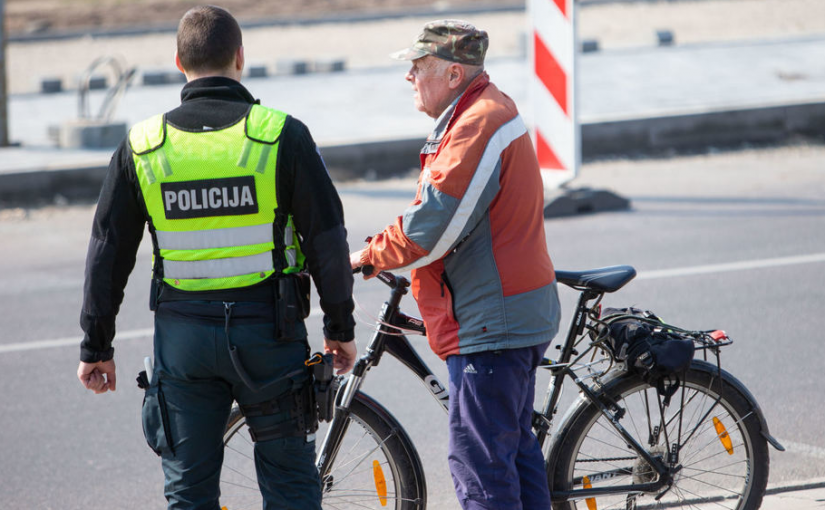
point(448, 116)
point(216, 87)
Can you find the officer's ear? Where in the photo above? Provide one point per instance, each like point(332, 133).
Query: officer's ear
point(239, 59)
point(179, 65)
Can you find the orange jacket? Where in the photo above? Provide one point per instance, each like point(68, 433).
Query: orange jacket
point(474, 235)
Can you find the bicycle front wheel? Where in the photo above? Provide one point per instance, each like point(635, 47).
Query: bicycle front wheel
point(721, 458)
point(375, 465)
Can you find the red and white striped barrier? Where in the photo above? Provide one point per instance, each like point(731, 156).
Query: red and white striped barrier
point(553, 89)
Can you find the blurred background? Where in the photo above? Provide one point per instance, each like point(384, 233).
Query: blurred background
point(707, 116)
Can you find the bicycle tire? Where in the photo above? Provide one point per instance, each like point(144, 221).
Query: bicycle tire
point(371, 435)
point(717, 471)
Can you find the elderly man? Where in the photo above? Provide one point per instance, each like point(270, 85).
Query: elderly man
point(482, 277)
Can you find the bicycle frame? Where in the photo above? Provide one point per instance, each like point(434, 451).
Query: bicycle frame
point(389, 339)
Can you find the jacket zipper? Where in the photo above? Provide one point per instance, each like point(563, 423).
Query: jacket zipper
point(446, 283)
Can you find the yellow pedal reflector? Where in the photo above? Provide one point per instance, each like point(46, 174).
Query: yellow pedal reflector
point(224, 508)
point(380, 482)
point(591, 502)
point(722, 432)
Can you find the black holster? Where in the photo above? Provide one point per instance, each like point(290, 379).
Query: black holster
point(326, 386)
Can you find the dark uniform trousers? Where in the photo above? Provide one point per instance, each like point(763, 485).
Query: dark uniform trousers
point(193, 385)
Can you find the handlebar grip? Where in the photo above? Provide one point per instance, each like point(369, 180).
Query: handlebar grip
point(366, 270)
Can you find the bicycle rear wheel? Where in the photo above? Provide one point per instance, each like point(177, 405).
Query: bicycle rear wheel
point(376, 465)
point(722, 454)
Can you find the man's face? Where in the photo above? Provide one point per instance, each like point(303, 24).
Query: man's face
point(429, 77)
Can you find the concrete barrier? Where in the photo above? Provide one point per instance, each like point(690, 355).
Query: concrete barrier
point(152, 77)
point(693, 131)
point(51, 85)
point(329, 65)
point(48, 186)
point(91, 134)
point(97, 83)
point(372, 160)
point(290, 66)
point(256, 71)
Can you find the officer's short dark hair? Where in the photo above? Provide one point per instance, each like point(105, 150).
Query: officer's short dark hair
point(208, 38)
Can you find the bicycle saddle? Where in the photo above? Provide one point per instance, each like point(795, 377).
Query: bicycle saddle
point(605, 279)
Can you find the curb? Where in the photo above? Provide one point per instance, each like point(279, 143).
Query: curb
point(600, 139)
point(797, 487)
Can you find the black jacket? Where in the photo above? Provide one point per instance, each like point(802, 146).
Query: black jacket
point(303, 189)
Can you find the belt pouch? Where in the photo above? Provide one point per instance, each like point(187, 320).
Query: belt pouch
point(155, 418)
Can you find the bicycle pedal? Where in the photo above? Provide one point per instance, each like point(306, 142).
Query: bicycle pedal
point(541, 423)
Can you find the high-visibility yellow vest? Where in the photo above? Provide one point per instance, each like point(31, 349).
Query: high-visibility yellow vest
point(211, 200)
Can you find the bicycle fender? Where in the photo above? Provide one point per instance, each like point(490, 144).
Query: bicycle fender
point(555, 443)
point(745, 392)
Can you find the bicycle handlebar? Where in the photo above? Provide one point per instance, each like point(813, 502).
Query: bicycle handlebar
point(388, 278)
point(366, 270)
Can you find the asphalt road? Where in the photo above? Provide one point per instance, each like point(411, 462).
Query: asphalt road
point(732, 241)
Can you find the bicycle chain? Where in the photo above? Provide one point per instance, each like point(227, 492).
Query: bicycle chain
point(607, 460)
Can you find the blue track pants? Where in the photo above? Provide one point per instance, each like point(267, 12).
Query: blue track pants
point(494, 457)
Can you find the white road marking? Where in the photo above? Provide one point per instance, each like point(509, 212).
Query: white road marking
point(803, 449)
point(75, 340)
point(643, 275)
point(63, 342)
point(731, 266)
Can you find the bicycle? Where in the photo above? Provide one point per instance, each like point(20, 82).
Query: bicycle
point(623, 444)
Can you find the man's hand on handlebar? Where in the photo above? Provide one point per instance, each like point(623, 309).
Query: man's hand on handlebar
point(357, 267)
point(344, 354)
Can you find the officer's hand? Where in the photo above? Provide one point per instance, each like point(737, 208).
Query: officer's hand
point(344, 352)
point(98, 377)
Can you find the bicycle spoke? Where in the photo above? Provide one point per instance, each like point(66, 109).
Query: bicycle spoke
point(239, 452)
point(682, 499)
point(633, 421)
point(704, 499)
point(612, 431)
point(721, 453)
point(715, 436)
point(242, 475)
point(716, 473)
point(358, 460)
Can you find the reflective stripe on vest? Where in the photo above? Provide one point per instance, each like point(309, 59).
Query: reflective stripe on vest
point(211, 199)
point(218, 268)
point(218, 238)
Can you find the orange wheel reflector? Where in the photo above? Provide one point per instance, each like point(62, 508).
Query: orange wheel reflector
point(722, 432)
point(380, 482)
point(591, 502)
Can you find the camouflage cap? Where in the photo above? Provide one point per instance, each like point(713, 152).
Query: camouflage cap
point(453, 40)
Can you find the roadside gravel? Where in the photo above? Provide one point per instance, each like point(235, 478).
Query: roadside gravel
point(366, 44)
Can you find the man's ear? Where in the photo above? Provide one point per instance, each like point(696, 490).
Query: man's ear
point(178, 64)
point(455, 75)
point(239, 59)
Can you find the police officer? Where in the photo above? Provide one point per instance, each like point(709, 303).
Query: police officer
point(238, 203)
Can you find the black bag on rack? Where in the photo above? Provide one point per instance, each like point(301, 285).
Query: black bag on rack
point(643, 341)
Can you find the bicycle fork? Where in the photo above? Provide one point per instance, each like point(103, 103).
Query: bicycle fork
point(339, 423)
